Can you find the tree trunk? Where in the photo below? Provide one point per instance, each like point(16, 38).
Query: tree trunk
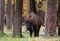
point(2, 15)
point(28, 7)
point(50, 17)
point(8, 11)
point(58, 17)
point(33, 6)
point(17, 26)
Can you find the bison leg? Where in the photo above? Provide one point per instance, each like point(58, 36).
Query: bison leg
point(31, 33)
point(36, 33)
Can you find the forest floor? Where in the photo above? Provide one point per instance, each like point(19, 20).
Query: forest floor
point(42, 37)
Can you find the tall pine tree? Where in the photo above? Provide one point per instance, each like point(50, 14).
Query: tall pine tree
point(2, 15)
point(17, 24)
point(50, 17)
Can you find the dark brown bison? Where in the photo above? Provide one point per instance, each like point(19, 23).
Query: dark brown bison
point(41, 13)
point(33, 23)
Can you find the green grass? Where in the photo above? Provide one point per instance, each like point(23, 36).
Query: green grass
point(8, 37)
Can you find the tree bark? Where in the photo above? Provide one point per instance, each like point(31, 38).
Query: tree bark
point(17, 25)
point(2, 15)
point(8, 12)
point(28, 7)
point(50, 17)
point(33, 6)
point(58, 17)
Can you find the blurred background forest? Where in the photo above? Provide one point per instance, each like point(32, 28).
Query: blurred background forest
point(14, 12)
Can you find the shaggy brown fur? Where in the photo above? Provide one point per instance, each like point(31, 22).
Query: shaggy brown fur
point(33, 22)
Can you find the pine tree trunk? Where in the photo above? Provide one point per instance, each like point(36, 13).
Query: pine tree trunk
point(17, 25)
point(2, 15)
point(50, 18)
point(8, 11)
point(58, 17)
point(13, 12)
point(33, 6)
point(28, 7)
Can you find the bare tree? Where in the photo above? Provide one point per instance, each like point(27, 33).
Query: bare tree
point(50, 17)
point(12, 12)
point(33, 6)
point(8, 12)
point(2, 15)
point(58, 18)
point(17, 24)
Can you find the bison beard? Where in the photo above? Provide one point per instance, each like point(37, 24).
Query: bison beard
point(33, 23)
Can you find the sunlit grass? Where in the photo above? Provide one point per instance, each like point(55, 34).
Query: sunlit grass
point(8, 36)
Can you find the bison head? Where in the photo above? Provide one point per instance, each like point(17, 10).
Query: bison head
point(29, 21)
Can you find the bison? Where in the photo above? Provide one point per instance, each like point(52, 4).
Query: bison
point(33, 23)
